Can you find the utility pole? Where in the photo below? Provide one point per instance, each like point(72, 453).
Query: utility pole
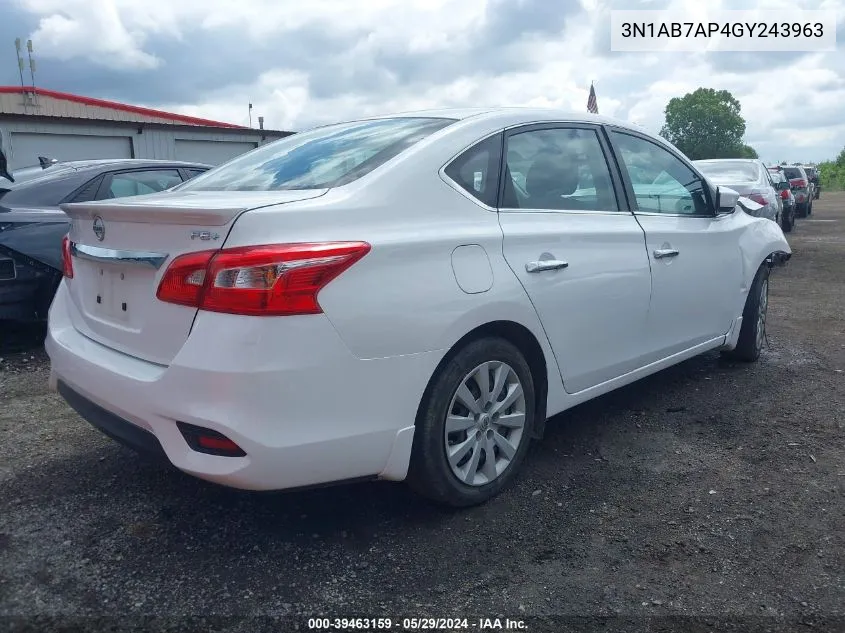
point(20, 59)
point(31, 63)
point(250, 115)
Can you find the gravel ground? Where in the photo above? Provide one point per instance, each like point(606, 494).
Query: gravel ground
point(710, 490)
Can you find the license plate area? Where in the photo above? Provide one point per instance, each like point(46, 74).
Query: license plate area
point(113, 292)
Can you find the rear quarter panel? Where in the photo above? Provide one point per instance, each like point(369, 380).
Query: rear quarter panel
point(402, 297)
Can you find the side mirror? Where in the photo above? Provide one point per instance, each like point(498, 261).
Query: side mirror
point(4, 167)
point(783, 186)
point(726, 200)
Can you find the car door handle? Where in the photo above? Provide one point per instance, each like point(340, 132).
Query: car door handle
point(661, 253)
point(545, 264)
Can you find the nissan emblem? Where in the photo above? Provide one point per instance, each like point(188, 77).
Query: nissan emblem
point(99, 228)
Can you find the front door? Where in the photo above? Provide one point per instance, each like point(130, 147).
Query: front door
point(578, 252)
point(695, 255)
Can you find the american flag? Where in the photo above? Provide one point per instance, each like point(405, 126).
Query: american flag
point(592, 104)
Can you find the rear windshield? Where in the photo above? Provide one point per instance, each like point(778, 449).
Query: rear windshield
point(730, 171)
point(325, 157)
point(792, 172)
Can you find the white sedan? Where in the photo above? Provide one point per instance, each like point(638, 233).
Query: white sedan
point(404, 297)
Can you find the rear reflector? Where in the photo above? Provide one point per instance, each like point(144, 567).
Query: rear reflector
point(67, 260)
point(268, 280)
point(210, 442)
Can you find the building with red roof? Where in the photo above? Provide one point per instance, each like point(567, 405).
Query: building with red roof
point(38, 122)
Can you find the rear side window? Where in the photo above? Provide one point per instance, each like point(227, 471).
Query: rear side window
point(137, 183)
point(477, 170)
point(89, 191)
point(561, 169)
point(325, 157)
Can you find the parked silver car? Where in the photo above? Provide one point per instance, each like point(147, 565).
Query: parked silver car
point(748, 177)
point(787, 217)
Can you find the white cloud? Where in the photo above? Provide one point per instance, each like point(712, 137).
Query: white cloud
point(788, 108)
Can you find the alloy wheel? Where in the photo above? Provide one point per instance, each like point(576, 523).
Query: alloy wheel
point(485, 423)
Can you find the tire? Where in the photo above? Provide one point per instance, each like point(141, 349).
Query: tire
point(788, 221)
point(810, 208)
point(753, 329)
point(431, 473)
point(802, 210)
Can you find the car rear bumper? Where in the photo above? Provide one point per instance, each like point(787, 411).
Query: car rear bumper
point(300, 405)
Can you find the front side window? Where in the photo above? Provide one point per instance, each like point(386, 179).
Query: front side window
point(325, 157)
point(476, 170)
point(661, 182)
point(137, 183)
point(557, 169)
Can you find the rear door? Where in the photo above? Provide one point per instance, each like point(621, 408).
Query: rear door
point(696, 260)
point(122, 247)
point(577, 250)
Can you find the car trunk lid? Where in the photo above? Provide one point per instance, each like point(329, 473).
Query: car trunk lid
point(121, 249)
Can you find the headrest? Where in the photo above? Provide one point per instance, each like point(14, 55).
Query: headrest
point(552, 173)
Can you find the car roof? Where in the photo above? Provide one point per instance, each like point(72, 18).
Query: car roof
point(507, 113)
point(726, 160)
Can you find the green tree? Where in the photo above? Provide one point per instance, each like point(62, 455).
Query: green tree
point(748, 152)
point(832, 173)
point(706, 123)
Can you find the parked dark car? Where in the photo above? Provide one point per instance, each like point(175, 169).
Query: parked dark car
point(813, 175)
point(32, 225)
point(784, 190)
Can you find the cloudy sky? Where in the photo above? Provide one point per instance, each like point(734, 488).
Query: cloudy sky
point(304, 62)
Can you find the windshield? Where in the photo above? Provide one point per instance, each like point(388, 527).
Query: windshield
point(325, 157)
point(730, 171)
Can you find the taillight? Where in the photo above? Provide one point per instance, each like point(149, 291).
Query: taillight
point(67, 261)
point(184, 279)
point(267, 280)
point(758, 198)
point(784, 194)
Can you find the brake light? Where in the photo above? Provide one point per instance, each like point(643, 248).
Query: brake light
point(758, 198)
point(784, 194)
point(183, 280)
point(67, 261)
point(267, 280)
